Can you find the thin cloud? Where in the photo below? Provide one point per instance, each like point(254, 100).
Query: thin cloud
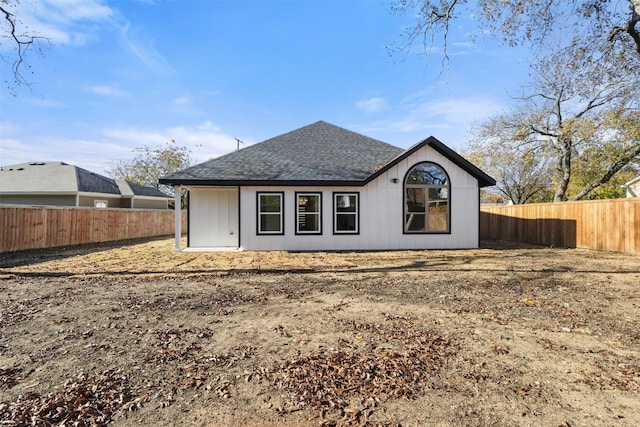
point(372, 105)
point(17, 145)
point(205, 141)
point(144, 50)
point(183, 101)
point(448, 119)
point(110, 91)
point(62, 21)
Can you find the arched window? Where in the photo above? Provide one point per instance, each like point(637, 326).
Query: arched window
point(426, 199)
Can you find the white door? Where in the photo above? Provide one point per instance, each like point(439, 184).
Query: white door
point(213, 218)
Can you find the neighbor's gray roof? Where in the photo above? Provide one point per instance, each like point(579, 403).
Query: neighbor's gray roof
point(62, 178)
point(320, 154)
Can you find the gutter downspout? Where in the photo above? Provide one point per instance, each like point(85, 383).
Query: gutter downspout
point(177, 208)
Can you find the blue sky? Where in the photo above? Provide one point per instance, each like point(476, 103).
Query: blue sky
point(123, 74)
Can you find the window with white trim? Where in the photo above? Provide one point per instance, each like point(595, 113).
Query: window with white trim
point(426, 199)
point(346, 208)
point(308, 209)
point(270, 213)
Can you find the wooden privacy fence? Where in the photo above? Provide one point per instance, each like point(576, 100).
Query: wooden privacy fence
point(46, 227)
point(612, 225)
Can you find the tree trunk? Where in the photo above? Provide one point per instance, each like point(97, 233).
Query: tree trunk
point(564, 173)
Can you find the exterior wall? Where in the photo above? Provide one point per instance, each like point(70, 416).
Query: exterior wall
point(85, 200)
point(213, 217)
point(381, 219)
point(381, 214)
point(38, 200)
point(88, 201)
point(140, 203)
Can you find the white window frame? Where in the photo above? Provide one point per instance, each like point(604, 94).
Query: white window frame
point(300, 213)
point(259, 229)
point(355, 214)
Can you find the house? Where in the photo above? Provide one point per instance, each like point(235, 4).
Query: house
point(61, 184)
point(632, 187)
point(322, 187)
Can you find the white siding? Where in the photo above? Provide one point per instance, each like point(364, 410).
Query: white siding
point(213, 218)
point(381, 214)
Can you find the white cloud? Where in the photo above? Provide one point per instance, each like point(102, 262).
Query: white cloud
point(144, 50)
point(372, 105)
point(205, 141)
point(76, 10)
point(61, 21)
point(96, 152)
point(448, 119)
point(111, 91)
point(183, 101)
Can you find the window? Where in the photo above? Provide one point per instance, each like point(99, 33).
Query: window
point(308, 220)
point(100, 204)
point(426, 199)
point(270, 214)
point(345, 213)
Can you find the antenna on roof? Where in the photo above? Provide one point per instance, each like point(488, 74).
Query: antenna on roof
point(238, 143)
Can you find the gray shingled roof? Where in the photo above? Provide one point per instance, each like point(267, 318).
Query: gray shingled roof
point(90, 182)
point(61, 178)
point(317, 152)
point(320, 153)
point(140, 190)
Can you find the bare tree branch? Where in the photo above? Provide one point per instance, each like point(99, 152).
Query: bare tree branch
point(22, 44)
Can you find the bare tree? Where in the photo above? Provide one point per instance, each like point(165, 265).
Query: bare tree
point(577, 107)
point(521, 176)
point(19, 41)
point(592, 24)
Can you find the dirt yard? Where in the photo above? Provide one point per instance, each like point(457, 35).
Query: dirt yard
point(140, 335)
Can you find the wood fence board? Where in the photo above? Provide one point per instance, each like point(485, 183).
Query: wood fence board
point(45, 227)
point(612, 225)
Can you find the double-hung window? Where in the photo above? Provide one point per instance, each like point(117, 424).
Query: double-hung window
point(270, 213)
point(345, 213)
point(308, 213)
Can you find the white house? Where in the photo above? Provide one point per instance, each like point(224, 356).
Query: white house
point(322, 187)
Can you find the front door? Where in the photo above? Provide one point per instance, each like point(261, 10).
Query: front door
point(213, 218)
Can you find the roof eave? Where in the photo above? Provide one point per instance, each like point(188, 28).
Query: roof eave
point(262, 183)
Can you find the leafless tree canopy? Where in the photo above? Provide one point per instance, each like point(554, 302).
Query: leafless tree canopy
point(594, 24)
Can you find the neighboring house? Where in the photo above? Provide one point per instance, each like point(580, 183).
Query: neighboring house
point(322, 187)
point(60, 184)
point(632, 187)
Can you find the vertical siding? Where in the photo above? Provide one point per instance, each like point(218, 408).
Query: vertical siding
point(213, 216)
point(381, 214)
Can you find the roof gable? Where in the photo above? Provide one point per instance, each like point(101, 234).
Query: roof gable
point(484, 180)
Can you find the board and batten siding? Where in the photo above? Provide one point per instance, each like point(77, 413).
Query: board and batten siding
point(213, 214)
point(380, 215)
